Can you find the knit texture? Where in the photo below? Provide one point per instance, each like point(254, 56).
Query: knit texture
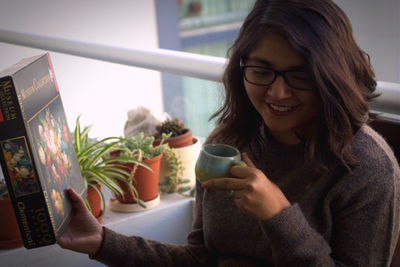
point(336, 218)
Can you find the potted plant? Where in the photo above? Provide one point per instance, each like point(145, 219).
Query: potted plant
point(98, 170)
point(10, 236)
point(171, 173)
point(173, 177)
point(143, 180)
point(179, 135)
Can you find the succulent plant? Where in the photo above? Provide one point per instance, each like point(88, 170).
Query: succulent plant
point(141, 144)
point(139, 147)
point(172, 183)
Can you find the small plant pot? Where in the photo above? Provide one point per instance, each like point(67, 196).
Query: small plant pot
point(185, 139)
point(188, 156)
point(10, 236)
point(145, 182)
point(95, 202)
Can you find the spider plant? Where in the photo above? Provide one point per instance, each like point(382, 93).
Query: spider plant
point(95, 167)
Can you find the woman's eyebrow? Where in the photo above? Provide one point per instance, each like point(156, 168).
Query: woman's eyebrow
point(270, 64)
point(261, 61)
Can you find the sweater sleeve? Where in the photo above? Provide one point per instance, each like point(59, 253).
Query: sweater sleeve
point(120, 250)
point(364, 209)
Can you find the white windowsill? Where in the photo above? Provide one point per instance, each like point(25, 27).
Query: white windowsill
point(169, 222)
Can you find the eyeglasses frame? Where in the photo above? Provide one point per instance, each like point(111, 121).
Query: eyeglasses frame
point(276, 74)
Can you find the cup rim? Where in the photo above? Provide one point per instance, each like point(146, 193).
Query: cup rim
point(220, 157)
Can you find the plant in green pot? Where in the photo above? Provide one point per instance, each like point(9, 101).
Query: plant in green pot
point(99, 170)
point(145, 180)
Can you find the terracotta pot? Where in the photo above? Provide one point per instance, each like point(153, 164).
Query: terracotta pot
point(146, 182)
point(182, 140)
point(95, 202)
point(10, 236)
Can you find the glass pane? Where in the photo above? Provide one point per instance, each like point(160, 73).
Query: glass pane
point(203, 98)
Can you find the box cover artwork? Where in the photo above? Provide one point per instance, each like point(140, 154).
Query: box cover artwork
point(37, 155)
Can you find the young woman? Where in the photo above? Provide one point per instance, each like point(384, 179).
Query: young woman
point(320, 188)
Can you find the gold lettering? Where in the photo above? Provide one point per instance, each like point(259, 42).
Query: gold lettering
point(28, 234)
point(8, 107)
point(36, 85)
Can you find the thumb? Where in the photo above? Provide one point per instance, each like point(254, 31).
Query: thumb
point(76, 200)
point(246, 159)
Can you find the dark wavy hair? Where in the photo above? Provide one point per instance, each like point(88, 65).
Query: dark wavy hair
point(321, 32)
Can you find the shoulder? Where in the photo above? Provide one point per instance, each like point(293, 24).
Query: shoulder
point(372, 150)
point(377, 171)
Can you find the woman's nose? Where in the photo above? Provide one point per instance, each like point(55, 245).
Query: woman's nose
point(279, 89)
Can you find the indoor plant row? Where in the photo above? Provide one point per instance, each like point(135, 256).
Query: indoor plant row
point(130, 168)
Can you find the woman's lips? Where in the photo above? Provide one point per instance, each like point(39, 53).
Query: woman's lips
point(280, 110)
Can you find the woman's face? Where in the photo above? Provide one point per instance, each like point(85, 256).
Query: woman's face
point(285, 110)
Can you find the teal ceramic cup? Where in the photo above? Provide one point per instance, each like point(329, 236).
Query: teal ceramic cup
point(216, 161)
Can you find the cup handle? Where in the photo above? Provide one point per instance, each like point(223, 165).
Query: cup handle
point(239, 163)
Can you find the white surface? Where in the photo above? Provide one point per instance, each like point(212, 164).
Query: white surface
point(169, 222)
point(117, 206)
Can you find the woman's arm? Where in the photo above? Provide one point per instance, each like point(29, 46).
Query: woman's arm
point(84, 234)
point(120, 250)
point(364, 208)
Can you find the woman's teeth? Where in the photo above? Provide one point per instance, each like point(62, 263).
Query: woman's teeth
point(280, 108)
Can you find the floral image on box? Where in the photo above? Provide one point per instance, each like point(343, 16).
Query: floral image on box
point(19, 166)
point(56, 197)
point(53, 146)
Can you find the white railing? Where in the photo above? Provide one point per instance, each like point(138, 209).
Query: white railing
point(175, 62)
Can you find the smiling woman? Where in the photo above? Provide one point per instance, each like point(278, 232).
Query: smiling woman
point(320, 187)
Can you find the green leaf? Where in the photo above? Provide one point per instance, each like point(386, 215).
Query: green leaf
point(141, 203)
point(77, 133)
point(126, 159)
point(107, 181)
point(184, 189)
point(88, 205)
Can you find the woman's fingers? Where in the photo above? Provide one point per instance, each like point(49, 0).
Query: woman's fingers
point(246, 159)
point(76, 199)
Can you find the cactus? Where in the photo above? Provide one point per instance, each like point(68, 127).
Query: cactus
point(174, 126)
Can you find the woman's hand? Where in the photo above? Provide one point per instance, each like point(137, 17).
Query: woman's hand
point(84, 233)
point(253, 192)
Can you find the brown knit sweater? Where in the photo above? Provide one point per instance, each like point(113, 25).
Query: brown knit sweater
point(347, 219)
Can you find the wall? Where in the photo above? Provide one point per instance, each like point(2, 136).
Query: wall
point(101, 92)
point(376, 26)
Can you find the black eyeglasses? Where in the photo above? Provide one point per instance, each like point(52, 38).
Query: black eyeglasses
point(265, 76)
